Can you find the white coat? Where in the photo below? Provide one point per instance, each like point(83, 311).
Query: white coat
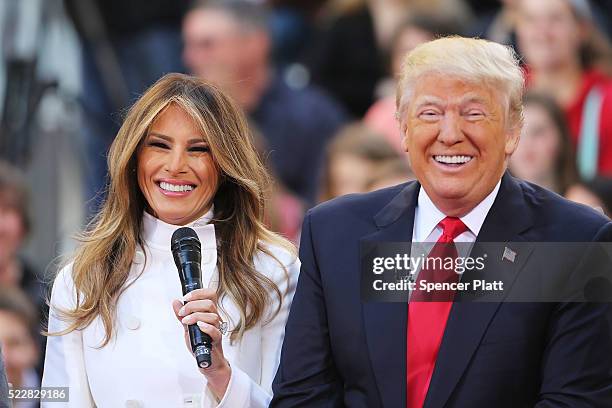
point(147, 363)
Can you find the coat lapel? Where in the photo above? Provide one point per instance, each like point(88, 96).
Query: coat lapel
point(468, 320)
point(385, 322)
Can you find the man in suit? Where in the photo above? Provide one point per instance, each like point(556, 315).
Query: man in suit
point(460, 112)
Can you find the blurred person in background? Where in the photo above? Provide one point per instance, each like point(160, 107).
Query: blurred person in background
point(19, 324)
point(126, 46)
point(415, 30)
point(497, 24)
point(500, 25)
point(4, 392)
point(351, 157)
point(596, 193)
point(388, 174)
point(15, 272)
point(566, 57)
point(284, 209)
point(544, 155)
point(228, 43)
point(349, 48)
point(292, 23)
point(496, 19)
point(117, 329)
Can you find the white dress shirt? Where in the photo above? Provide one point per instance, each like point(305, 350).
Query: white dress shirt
point(427, 217)
point(426, 231)
point(147, 364)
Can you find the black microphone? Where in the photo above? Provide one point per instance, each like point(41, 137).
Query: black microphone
point(186, 250)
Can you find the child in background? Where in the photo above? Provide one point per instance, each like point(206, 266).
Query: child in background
point(352, 156)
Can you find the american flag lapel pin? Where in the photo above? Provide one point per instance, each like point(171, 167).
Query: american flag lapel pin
point(509, 255)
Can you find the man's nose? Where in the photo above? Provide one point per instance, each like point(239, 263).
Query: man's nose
point(450, 129)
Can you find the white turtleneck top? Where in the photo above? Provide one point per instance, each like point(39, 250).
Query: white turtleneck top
point(147, 363)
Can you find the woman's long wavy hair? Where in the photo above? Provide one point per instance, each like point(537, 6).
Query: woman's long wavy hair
point(102, 263)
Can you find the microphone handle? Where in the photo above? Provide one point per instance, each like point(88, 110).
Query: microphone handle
point(201, 343)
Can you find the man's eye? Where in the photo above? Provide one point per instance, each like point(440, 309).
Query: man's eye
point(475, 114)
point(158, 144)
point(429, 114)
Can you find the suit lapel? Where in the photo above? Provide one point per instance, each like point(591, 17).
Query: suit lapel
point(468, 320)
point(385, 322)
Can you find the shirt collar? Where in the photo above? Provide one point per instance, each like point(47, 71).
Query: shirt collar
point(158, 234)
point(428, 216)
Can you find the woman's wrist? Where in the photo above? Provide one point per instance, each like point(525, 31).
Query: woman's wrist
point(218, 380)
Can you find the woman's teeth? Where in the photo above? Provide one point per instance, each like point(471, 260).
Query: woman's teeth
point(452, 159)
point(175, 187)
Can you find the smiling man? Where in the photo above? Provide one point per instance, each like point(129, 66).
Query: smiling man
point(460, 113)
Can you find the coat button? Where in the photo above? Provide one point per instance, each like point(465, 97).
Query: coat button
point(191, 400)
point(132, 323)
point(133, 404)
point(139, 257)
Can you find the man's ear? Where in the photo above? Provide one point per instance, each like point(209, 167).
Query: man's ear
point(405, 143)
point(403, 127)
point(513, 136)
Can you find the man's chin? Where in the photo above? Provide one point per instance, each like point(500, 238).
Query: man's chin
point(454, 191)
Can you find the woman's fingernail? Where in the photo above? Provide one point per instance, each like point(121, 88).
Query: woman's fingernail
point(186, 297)
point(182, 311)
point(201, 325)
point(186, 320)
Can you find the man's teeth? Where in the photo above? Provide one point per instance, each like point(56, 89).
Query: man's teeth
point(453, 159)
point(175, 187)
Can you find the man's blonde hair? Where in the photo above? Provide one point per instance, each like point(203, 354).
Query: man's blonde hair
point(470, 59)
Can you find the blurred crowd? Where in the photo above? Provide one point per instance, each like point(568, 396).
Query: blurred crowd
point(317, 81)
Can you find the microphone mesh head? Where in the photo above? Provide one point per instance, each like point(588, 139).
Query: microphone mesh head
point(184, 236)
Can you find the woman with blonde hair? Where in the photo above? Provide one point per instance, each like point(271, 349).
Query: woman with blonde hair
point(183, 157)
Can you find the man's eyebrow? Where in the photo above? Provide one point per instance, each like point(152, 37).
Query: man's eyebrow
point(169, 139)
point(472, 99)
point(427, 100)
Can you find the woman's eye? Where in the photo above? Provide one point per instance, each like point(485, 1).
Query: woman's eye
point(199, 149)
point(158, 144)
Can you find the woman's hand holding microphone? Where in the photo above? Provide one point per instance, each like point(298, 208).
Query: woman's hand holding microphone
point(201, 308)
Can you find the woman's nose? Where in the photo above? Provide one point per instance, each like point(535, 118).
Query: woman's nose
point(177, 162)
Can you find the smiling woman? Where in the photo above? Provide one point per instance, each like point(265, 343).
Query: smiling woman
point(176, 171)
point(183, 157)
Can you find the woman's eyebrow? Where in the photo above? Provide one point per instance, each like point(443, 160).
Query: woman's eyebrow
point(169, 139)
point(161, 136)
point(197, 140)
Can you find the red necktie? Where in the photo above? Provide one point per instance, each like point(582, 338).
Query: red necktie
point(427, 319)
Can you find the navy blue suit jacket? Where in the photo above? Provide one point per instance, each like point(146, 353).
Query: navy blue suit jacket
point(340, 351)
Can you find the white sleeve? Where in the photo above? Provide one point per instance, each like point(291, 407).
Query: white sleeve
point(242, 391)
point(64, 361)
